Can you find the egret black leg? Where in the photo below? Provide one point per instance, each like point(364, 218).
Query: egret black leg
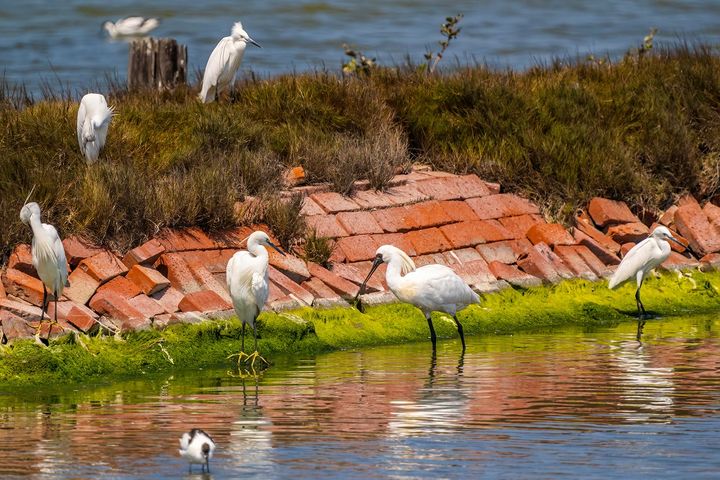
point(255, 335)
point(433, 337)
point(207, 466)
point(42, 313)
point(460, 331)
point(641, 309)
point(242, 342)
point(55, 294)
point(189, 467)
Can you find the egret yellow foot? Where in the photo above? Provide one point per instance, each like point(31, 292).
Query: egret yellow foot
point(254, 356)
point(241, 355)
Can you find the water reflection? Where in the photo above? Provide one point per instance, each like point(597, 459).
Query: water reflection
point(394, 411)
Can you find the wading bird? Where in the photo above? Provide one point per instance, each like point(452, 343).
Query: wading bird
point(432, 288)
point(131, 27)
point(224, 62)
point(247, 280)
point(93, 120)
point(48, 258)
point(642, 258)
point(196, 446)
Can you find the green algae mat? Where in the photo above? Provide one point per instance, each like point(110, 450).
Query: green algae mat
point(80, 358)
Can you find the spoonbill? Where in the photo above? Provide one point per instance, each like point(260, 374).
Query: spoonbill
point(642, 258)
point(247, 280)
point(131, 27)
point(48, 258)
point(93, 120)
point(196, 446)
point(224, 62)
point(431, 288)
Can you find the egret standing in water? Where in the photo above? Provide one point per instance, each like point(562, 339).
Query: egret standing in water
point(196, 446)
point(48, 258)
point(93, 120)
point(642, 258)
point(432, 288)
point(247, 280)
point(131, 27)
point(224, 62)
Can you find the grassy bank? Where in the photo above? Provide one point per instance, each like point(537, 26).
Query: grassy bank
point(307, 331)
point(641, 129)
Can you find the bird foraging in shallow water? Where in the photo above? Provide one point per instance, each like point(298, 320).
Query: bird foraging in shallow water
point(93, 121)
point(431, 288)
point(131, 27)
point(224, 62)
point(196, 446)
point(247, 280)
point(48, 258)
point(642, 258)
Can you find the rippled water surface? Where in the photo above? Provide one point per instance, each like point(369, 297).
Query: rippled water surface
point(61, 41)
point(568, 404)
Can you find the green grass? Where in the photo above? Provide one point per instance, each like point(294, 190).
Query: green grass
point(191, 346)
point(642, 129)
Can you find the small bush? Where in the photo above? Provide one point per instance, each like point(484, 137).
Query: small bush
point(318, 249)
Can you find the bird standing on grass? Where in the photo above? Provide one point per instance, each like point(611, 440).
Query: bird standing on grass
point(247, 280)
point(432, 288)
point(48, 258)
point(131, 27)
point(196, 446)
point(224, 62)
point(642, 258)
point(93, 120)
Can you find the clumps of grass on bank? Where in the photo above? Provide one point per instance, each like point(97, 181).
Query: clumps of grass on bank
point(642, 129)
point(307, 331)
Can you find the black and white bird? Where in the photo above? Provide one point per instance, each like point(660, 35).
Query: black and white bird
point(196, 446)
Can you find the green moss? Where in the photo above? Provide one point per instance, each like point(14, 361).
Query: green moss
point(192, 346)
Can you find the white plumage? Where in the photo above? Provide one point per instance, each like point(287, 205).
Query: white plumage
point(48, 256)
point(196, 446)
point(131, 27)
point(224, 62)
point(93, 121)
point(641, 259)
point(432, 288)
point(247, 280)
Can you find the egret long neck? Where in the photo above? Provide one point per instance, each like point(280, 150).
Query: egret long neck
point(393, 275)
point(257, 250)
point(39, 233)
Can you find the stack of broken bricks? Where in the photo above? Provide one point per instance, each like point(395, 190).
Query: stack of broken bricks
point(492, 240)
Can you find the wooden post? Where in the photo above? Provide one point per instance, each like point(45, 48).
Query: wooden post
point(157, 63)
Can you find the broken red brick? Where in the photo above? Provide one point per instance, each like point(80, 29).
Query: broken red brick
point(575, 262)
point(592, 261)
point(119, 309)
point(358, 223)
point(289, 287)
point(121, 286)
point(587, 227)
point(668, 216)
point(625, 248)
point(326, 226)
point(203, 301)
point(395, 239)
point(687, 199)
point(149, 307)
point(405, 194)
point(78, 249)
point(295, 175)
point(80, 318)
point(174, 267)
point(342, 287)
point(21, 309)
point(520, 224)
point(82, 286)
point(319, 289)
point(474, 272)
point(369, 199)
point(452, 188)
point(709, 262)
point(692, 223)
point(458, 211)
point(513, 276)
point(712, 212)
point(21, 260)
point(24, 286)
point(169, 298)
point(147, 253)
point(13, 327)
point(469, 234)
point(471, 186)
point(427, 214)
point(428, 240)
point(552, 234)
point(310, 207)
point(333, 202)
point(606, 256)
point(356, 273)
point(628, 232)
point(506, 251)
point(606, 212)
point(147, 279)
point(678, 261)
point(392, 220)
point(290, 265)
point(214, 260)
point(557, 262)
point(185, 239)
point(357, 248)
point(537, 265)
point(501, 205)
point(461, 256)
point(103, 266)
point(208, 281)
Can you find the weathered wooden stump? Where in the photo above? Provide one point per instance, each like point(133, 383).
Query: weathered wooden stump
point(157, 63)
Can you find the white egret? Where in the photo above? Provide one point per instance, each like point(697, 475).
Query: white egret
point(48, 258)
point(431, 288)
point(642, 258)
point(224, 62)
point(196, 446)
point(131, 27)
point(247, 280)
point(93, 120)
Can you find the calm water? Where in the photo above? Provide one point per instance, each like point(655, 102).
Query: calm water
point(61, 42)
point(568, 404)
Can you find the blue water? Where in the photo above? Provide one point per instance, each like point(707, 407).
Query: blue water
point(61, 43)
